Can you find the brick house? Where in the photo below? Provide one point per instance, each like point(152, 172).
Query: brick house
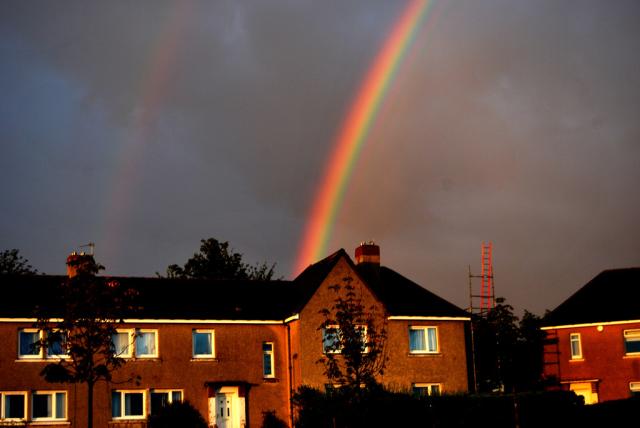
point(234, 349)
point(593, 338)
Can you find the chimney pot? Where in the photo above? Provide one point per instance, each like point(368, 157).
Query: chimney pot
point(368, 252)
point(76, 263)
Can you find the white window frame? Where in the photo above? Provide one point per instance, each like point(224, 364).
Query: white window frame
point(3, 394)
point(425, 329)
point(193, 343)
point(575, 338)
point(139, 331)
point(169, 393)
point(632, 335)
point(429, 387)
point(271, 354)
point(56, 356)
point(634, 387)
point(122, 393)
point(40, 354)
point(55, 417)
point(130, 348)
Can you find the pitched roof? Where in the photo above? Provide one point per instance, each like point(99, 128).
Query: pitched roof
point(401, 296)
point(613, 295)
point(163, 298)
point(189, 299)
point(310, 279)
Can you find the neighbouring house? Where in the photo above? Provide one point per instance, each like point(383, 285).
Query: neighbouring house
point(592, 342)
point(234, 349)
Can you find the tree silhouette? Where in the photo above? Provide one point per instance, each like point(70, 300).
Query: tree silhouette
point(12, 263)
point(79, 327)
point(508, 350)
point(354, 340)
point(217, 260)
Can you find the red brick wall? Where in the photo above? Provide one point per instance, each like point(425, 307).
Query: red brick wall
point(448, 367)
point(603, 358)
point(238, 358)
point(310, 319)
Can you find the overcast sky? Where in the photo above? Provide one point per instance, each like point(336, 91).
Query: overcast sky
point(146, 126)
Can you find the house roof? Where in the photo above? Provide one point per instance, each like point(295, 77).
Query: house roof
point(401, 296)
point(613, 295)
point(310, 279)
point(163, 298)
point(189, 299)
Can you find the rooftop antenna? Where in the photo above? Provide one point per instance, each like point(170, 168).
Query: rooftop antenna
point(92, 247)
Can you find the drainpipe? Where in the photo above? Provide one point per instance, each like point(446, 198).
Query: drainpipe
point(289, 360)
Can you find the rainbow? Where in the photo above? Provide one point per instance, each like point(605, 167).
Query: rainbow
point(354, 131)
point(154, 88)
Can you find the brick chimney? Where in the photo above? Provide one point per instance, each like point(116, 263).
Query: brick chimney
point(78, 262)
point(368, 252)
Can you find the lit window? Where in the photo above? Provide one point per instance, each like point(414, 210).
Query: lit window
point(203, 344)
point(14, 405)
point(146, 343)
point(576, 346)
point(424, 389)
point(122, 342)
point(160, 398)
point(49, 405)
point(632, 341)
point(267, 360)
point(29, 343)
point(128, 404)
point(423, 340)
point(634, 387)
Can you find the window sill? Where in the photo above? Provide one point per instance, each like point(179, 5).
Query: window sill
point(127, 423)
point(209, 359)
point(425, 354)
point(48, 423)
point(576, 360)
point(634, 355)
point(128, 419)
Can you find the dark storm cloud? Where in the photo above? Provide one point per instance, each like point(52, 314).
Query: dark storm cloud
point(510, 121)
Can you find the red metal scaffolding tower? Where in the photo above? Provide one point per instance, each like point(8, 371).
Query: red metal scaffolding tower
point(487, 299)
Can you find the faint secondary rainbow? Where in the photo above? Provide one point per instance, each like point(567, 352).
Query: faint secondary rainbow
point(354, 131)
point(154, 87)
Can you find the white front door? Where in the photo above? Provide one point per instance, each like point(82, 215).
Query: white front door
point(224, 410)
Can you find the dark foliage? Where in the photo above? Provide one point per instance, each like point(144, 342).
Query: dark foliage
point(81, 324)
point(12, 263)
point(177, 414)
point(508, 351)
point(356, 354)
point(377, 407)
point(216, 260)
point(271, 420)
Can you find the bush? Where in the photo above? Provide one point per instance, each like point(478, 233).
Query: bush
point(270, 420)
point(378, 407)
point(177, 414)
